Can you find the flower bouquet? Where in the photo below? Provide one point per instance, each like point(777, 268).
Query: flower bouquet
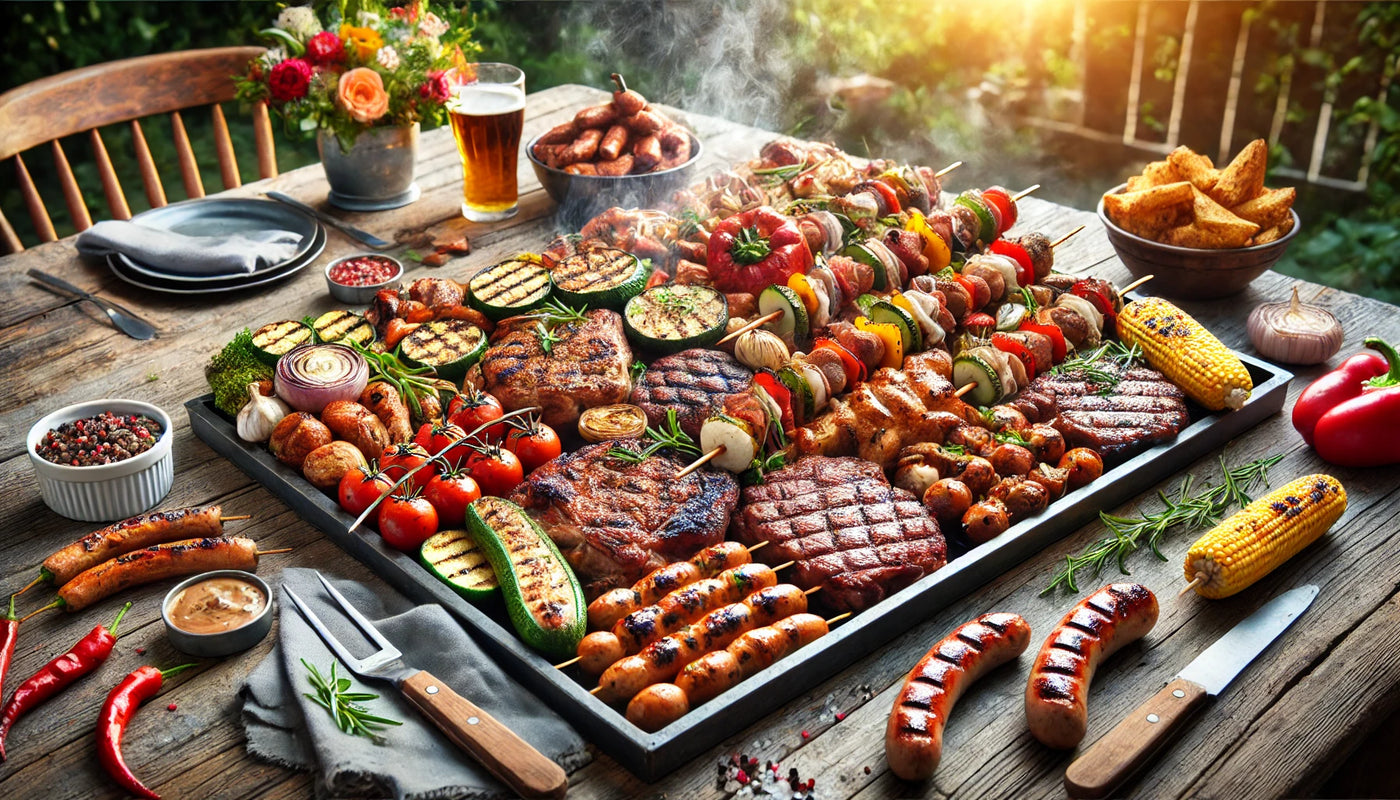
point(363, 65)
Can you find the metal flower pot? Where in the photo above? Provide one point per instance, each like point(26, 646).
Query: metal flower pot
point(377, 172)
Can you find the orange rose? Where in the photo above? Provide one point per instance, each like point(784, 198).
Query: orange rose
point(362, 93)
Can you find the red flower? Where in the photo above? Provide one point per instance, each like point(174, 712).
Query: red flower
point(324, 49)
point(289, 80)
point(437, 87)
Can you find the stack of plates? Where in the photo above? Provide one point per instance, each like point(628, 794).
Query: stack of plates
point(221, 218)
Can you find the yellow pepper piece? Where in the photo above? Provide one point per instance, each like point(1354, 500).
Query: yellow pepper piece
point(900, 301)
point(799, 283)
point(889, 334)
point(935, 249)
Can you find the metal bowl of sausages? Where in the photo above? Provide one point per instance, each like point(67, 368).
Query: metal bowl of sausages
point(219, 613)
point(581, 197)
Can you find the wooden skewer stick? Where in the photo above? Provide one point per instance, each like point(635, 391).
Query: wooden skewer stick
point(1025, 192)
point(784, 566)
point(569, 663)
point(947, 169)
point(1062, 239)
point(235, 519)
point(837, 618)
point(812, 591)
point(760, 544)
point(700, 462)
point(1135, 284)
point(276, 552)
point(763, 320)
point(964, 390)
point(1196, 581)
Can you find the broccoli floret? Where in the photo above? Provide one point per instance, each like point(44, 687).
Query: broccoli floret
point(230, 372)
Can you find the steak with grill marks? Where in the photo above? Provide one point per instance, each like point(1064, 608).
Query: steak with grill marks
point(1115, 411)
point(848, 530)
point(586, 366)
point(615, 521)
point(694, 383)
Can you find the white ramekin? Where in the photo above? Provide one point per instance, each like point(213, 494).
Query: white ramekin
point(104, 492)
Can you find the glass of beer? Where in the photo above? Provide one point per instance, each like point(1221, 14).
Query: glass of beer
point(487, 111)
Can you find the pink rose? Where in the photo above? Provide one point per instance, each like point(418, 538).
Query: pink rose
point(324, 49)
point(437, 87)
point(361, 92)
point(289, 79)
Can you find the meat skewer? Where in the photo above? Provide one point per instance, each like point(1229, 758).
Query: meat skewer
point(1025, 191)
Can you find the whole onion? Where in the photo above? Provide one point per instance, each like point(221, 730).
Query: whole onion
point(1295, 332)
point(312, 375)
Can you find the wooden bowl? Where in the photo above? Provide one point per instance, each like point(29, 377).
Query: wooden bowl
point(1188, 273)
point(581, 197)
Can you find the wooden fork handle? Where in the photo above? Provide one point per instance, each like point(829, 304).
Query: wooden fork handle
point(521, 767)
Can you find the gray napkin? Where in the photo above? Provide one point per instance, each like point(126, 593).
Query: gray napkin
point(414, 760)
point(189, 255)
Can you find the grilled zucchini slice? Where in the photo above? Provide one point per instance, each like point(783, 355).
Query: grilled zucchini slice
point(276, 339)
point(794, 325)
point(460, 563)
point(449, 346)
point(543, 597)
point(671, 318)
point(511, 287)
point(601, 278)
point(344, 327)
point(909, 333)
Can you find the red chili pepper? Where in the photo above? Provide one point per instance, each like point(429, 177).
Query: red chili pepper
point(86, 656)
point(1058, 346)
point(9, 633)
point(120, 706)
point(1025, 269)
point(769, 383)
point(751, 251)
point(1360, 402)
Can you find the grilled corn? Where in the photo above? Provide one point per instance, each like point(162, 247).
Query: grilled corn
point(1188, 354)
point(1263, 535)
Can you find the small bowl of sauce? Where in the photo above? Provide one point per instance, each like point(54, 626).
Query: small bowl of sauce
point(356, 278)
point(217, 613)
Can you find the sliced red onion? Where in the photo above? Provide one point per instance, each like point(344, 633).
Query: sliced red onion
point(312, 375)
point(831, 230)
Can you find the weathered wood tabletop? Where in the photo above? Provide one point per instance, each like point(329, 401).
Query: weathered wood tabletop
point(1279, 730)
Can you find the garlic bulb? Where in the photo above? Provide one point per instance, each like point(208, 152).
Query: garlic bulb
point(757, 349)
point(1295, 333)
point(260, 415)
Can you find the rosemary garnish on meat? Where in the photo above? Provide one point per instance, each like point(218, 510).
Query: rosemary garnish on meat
point(1203, 510)
point(334, 695)
point(551, 315)
point(671, 437)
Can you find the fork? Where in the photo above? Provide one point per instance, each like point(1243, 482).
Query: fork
point(504, 754)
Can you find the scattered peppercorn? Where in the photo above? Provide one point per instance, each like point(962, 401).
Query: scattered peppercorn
point(104, 439)
point(171, 707)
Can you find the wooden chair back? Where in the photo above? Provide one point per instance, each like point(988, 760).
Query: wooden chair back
point(86, 99)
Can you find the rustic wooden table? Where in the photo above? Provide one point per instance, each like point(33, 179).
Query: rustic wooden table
point(1279, 730)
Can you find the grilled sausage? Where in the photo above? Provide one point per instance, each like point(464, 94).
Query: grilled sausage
point(628, 102)
point(559, 134)
point(677, 155)
point(608, 608)
point(646, 152)
point(582, 168)
point(131, 534)
point(613, 142)
point(657, 706)
point(387, 404)
point(645, 122)
point(595, 117)
point(1057, 693)
point(357, 425)
point(914, 735)
point(622, 165)
point(713, 673)
point(158, 562)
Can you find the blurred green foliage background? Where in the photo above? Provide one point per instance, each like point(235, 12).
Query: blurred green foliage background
point(1007, 86)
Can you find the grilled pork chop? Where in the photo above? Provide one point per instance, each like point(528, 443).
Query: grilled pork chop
point(693, 382)
point(615, 521)
point(586, 366)
point(1115, 411)
point(848, 530)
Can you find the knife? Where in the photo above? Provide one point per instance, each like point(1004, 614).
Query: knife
point(1114, 758)
point(122, 318)
point(365, 237)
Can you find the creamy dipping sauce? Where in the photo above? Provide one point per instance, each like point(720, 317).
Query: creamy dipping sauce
point(216, 605)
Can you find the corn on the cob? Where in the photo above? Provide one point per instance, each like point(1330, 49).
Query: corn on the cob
point(1188, 354)
point(1263, 535)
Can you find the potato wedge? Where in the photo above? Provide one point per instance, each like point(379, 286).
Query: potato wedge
point(1269, 208)
point(1243, 178)
point(1273, 234)
point(1160, 173)
point(1193, 235)
point(1194, 167)
point(1229, 229)
point(1149, 212)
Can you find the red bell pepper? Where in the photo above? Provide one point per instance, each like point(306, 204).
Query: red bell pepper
point(1058, 346)
point(1095, 294)
point(1002, 200)
point(1025, 270)
point(1348, 415)
point(1015, 347)
point(751, 251)
point(853, 367)
point(775, 389)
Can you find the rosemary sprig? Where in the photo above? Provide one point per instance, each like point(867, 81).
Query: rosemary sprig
point(636, 371)
point(669, 438)
point(546, 337)
point(554, 312)
point(1196, 512)
point(690, 223)
point(334, 695)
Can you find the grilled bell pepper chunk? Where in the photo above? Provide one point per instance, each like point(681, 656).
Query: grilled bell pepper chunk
point(1059, 347)
point(936, 250)
point(1025, 269)
point(768, 382)
point(890, 336)
point(852, 366)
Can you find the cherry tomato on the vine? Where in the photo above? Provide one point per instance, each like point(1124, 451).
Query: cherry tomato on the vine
point(398, 459)
point(450, 493)
point(361, 486)
point(534, 443)
point(473, 409)
point(406, 521)
point(496, 470)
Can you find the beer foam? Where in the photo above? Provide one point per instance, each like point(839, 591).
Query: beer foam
point(485, 99)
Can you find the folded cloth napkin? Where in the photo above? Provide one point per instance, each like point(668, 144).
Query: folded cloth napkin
point(189, 255)
point(413, 760)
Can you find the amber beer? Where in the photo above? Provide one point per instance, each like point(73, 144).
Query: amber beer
point(487, 116)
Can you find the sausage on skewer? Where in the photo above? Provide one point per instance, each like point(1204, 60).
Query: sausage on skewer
point(612, 606)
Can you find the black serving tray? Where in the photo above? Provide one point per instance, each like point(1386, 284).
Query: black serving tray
point(651, 755)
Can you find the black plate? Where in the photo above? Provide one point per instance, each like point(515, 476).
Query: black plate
point(651, 755)
point(224, 283)
point(222, 217)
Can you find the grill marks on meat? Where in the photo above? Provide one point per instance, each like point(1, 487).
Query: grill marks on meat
point(694, 383)
point(587, 366)
point(848, 529)
point(1143, 409)
point(615, 521)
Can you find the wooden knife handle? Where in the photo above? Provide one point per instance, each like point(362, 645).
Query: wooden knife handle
point(521, 767)
point(1122, 751)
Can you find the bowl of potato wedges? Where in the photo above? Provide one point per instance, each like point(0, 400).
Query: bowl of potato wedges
point(1201, 232)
